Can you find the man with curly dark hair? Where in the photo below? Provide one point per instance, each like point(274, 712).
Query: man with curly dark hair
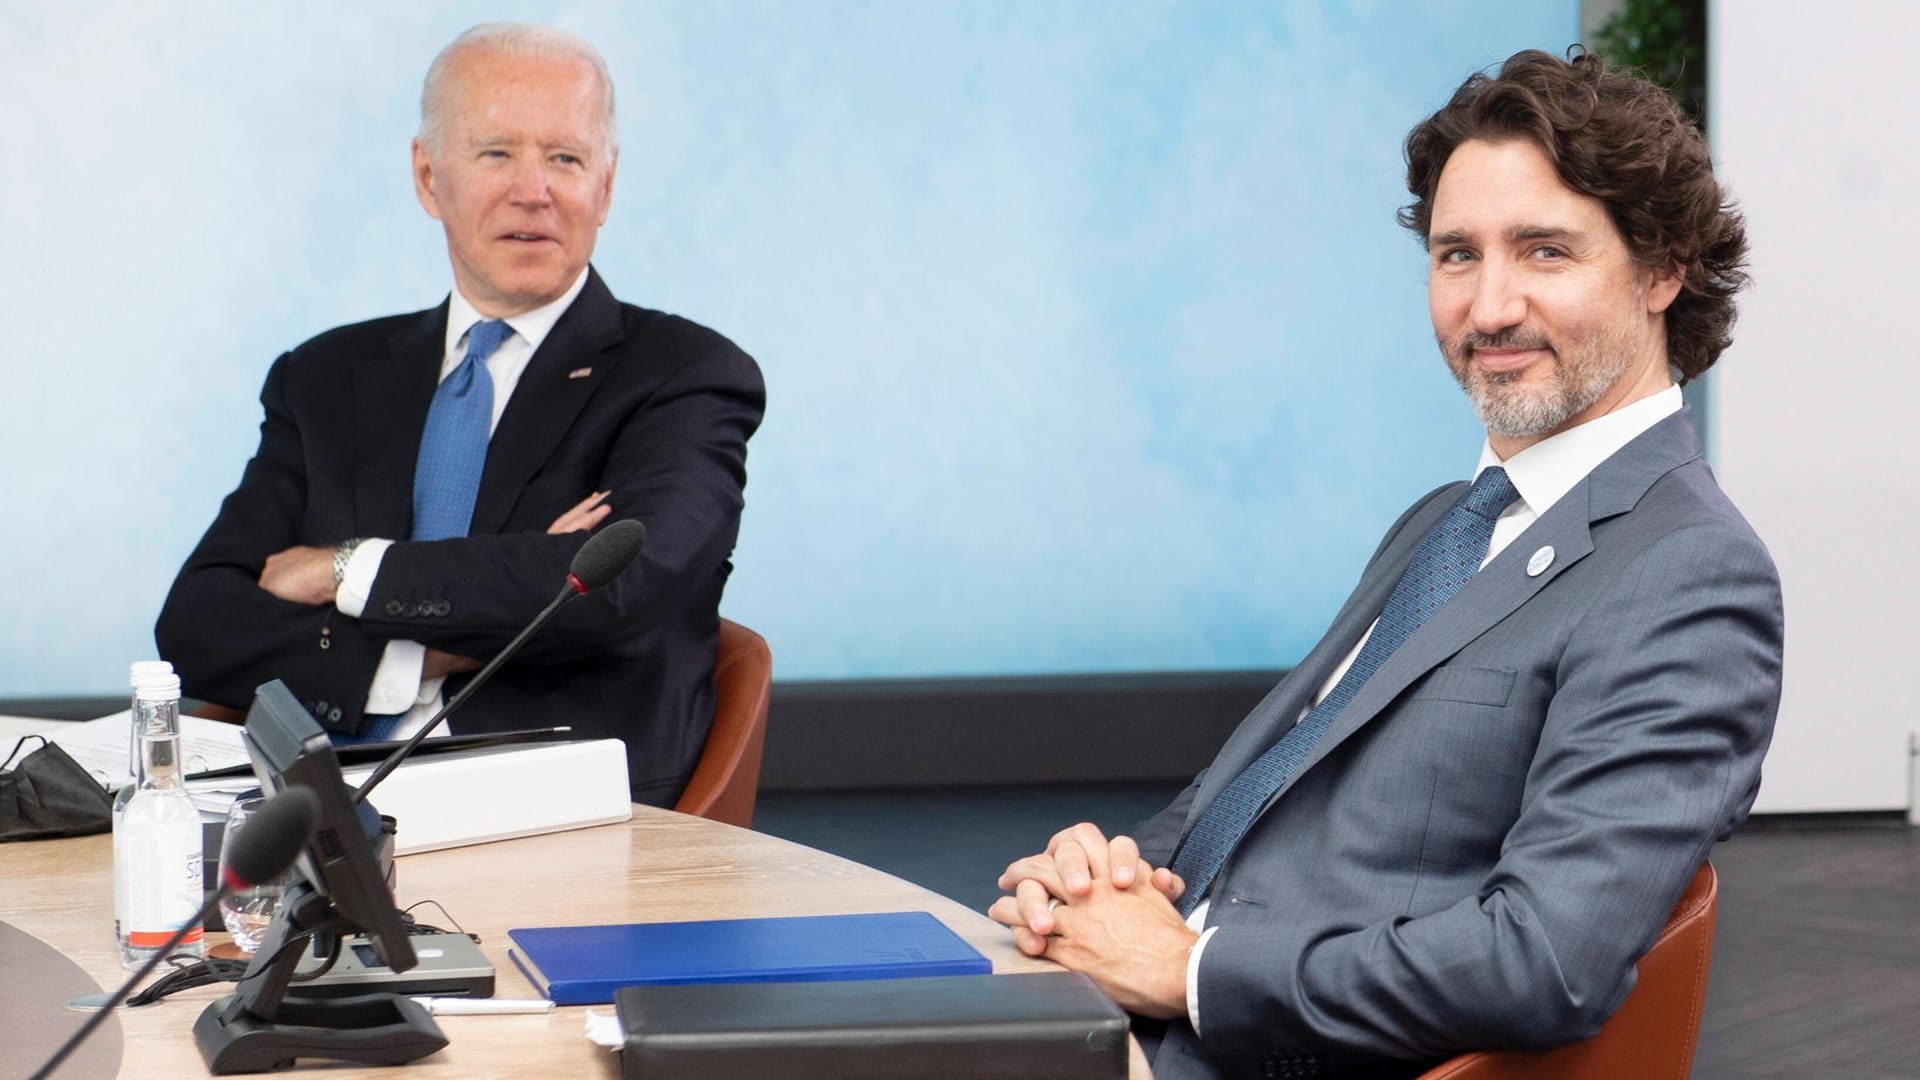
point(1464, 816)
point(1618, 140)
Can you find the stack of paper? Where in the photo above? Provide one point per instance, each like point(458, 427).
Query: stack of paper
point(102, 746)
point(216, 794)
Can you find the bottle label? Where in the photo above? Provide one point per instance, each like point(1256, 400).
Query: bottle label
point(162, 863)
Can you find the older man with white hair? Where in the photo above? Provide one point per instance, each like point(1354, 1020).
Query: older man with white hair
point(422, 481)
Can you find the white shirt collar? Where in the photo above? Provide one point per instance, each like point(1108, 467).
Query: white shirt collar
point(1548, 469)
point(533, 326)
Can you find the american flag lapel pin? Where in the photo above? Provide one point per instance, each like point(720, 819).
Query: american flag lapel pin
point(579, 373)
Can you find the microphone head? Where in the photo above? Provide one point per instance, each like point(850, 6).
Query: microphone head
point(272, 840)
point(607, 554)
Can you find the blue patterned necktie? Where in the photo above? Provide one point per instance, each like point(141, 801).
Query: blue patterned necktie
point(446, 475)
point(1446, 560)
point(453, 448)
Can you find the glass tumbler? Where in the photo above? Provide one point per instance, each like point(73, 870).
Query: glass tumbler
point(248, 911)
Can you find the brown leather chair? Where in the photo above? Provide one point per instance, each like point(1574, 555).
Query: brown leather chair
point(1652, 1036)
point(207, 710)
point(727, 776)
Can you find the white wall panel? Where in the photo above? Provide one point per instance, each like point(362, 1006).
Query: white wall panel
point(1814, 115)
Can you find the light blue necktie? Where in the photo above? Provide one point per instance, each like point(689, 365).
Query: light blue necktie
point(453, 448)
point(446, 476)
point(1446, 560)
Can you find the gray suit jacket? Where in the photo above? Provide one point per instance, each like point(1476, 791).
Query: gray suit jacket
point(1494, 830)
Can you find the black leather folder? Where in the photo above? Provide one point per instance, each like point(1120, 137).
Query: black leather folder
point(1047, 1026)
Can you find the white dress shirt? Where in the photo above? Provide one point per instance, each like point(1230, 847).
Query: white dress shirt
point(397, 685)
point(1541, 473)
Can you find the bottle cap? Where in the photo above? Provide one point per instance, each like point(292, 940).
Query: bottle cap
point(158, 687)
point(145, 670)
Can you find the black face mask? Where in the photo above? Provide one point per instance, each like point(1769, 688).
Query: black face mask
point(48, 795)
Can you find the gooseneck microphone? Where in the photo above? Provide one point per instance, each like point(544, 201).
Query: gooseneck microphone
point(604, 557)
point(270, 843)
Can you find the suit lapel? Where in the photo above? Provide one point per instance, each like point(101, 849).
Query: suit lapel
point(1497, 591)
point(1500, 589)
point(549, 396)
point(391, 395)
point(1504, 585)
point(1279, 709)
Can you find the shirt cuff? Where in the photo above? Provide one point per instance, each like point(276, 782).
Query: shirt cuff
point(396, 682)
point(357, 584)
point(1193, 979)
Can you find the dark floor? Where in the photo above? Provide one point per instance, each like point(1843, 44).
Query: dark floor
point(1816, 966)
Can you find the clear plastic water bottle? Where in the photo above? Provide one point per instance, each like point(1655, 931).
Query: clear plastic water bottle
point(143, 671)
point(157, 858)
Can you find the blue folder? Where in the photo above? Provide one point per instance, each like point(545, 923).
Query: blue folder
point(584, 965)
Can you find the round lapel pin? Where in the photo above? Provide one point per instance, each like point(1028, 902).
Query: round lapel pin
point(1540, 561)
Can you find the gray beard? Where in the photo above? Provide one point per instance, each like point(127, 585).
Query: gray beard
point(1510, 412)
point(1582, 374)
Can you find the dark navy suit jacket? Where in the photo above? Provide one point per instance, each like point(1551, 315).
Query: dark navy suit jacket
point(651, 407)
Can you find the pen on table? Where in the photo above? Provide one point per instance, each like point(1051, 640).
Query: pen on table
point(464, 1006)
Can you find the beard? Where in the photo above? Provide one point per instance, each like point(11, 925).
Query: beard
point(1584, 369)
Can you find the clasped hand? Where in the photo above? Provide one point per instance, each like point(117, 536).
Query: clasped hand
point(1091, 905)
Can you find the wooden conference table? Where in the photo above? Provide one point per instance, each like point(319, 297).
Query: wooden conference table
point(56, 930)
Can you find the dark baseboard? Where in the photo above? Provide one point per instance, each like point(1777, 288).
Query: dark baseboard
point(1826, 819)
point(1048, 730)
point(1056, 729)
point(1063, 729)
point(63, 708)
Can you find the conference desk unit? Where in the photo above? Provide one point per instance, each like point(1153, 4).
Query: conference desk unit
point(56, 937)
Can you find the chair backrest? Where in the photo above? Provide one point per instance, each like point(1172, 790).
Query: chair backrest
point(207, 710)
point(727, 777)
point(1653, 1035)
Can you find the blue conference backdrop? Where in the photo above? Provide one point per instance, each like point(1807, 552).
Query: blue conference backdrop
point(1091, 343)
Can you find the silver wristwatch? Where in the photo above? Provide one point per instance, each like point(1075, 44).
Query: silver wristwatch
point(342, 555)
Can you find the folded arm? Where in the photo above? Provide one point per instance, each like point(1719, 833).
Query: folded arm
point(677, 464)
point(225, 633)
point(676, 461)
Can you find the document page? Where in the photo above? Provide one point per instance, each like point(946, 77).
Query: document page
point(102, 746)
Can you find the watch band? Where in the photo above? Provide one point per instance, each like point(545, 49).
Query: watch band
point(342, 555)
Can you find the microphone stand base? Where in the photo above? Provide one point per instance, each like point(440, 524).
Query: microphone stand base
point(372, 1029)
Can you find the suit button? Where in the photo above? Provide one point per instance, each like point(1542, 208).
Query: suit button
point(442, 608)
point(319, 708)
point(393, 607)
point(412, 612)
point(333, 715)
